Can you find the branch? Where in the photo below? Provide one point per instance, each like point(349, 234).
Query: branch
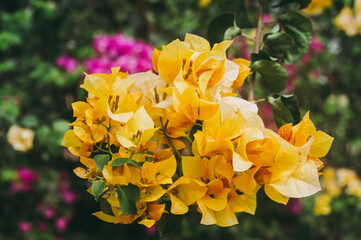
point(257, 47)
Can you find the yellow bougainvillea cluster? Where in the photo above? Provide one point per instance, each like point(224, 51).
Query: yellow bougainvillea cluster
point(128, 135)
point(349, 20)
point(334, 182)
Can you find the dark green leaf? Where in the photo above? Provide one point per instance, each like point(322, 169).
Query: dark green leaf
point(285, 109)
point(169, 223)
point(98, 188)
point(302, 3)
point(232, 32)
point(101, 160)
point(273, 74)
point(300, 28)
point(240, 11)
point(128, 197)
point(262, 55)
point(121, 161)
point(105, 207)
point(218, 27)
point(277, 44)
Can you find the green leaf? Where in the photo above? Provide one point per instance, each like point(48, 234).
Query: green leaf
point(98, 188)
point(240, 11)
point(105, 207)
point(302, 3)
point(101, 160)
point(121, 161)
point(285, 109)
point(128, 197)
point(277, 44)
point(30, 121)
point(218, 27)
point(300, 28)
point(232, 32)
point(169, 223)
point(274, 75)
point(262, 55)
point(60, 125)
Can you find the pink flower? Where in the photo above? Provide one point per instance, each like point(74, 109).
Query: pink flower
point(68, 63)
point(67, 195)
point(25, 227)
point(152, 230)
point(61, 224)
point(49, 213)
point(294, 206)
point(101, 43)
point(26, 175)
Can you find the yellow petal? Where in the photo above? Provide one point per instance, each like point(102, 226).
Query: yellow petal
point(104, 217)
point(70, 139)
point(95, 85)
point(152, 193)
point(225, 218)
point(321, 145)
point(273, 194)
point(240, 164)
point(208, 217)
point(140, 121)
point(194, 167)
point(79, 108)
point(171, 60)
point(147, 222)
point(178, 207)
point(302, 183)
point(81, 172)
point(197, 43)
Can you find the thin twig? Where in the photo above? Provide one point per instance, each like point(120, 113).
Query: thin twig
point(257, 42)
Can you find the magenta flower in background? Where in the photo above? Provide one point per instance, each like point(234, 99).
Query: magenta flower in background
point(25, 227)
point(294, 206)
point(25, 180)
point(113, 51)
point(152, 230)
point(61, 224)
point(49, 213)
point(68, 63)
point(42, 226)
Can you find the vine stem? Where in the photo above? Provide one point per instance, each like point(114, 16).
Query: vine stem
point(257, 42)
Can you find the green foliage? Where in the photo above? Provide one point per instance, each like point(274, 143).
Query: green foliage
point(121, 161)
point(128, 197)
point(285, 109)
point(273, 74)
point(101, 160)
point(278, 44)
point(218, 27)
point(299, 28)
point(98, 188)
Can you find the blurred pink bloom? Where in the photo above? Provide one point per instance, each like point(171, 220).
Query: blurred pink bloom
point(113, 51)
point(24, 181)
point(49, 213)
point(61, 224)
point(27, 175)
point(294, 206)
point(25, 227)
point(316, 45)
point(67, 195)
point(152, 230)
point(68, 63)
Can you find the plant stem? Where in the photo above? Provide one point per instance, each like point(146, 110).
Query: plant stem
point(257, 42)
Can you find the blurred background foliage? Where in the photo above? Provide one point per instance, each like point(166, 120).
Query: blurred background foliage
point(41, 198)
